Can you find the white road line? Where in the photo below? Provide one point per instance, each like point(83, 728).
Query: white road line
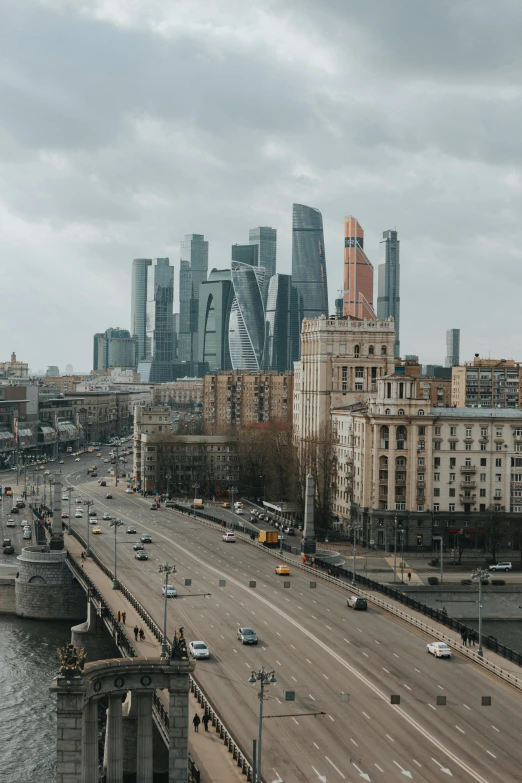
point(418, 671)
point(376, 642)
point(295, 721)
point(366, 654)
point(354, 742)
point(466, 706)
point(277, 632)
point(264, 648)
point(366, 716)
point(494, 727)
point(328, 627)
point(491, 754)
point(315, 618)
point(332, 719)
point(440, 686)
point(308, 661)
point(310, 695)
point(407, 686)
point(278, 662)
point(336, 768)
point(293, 678)
point(347, 641)
point(277, 700)
point(432, 707)
point(316, 745)
point(417, 763)
point(459, 729)
point(325, 676)
point(360, 630)
point(300, 608)
point(396, 655)
point(385, 670)
point(292, 646)
point(390, 738)
point(379, 768)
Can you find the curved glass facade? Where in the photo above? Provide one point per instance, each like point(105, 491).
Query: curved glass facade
point(308, 268)
point(247, 318)
point(277, 336)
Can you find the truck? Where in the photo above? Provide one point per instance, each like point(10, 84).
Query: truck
point(268, 537)
point(198, 503)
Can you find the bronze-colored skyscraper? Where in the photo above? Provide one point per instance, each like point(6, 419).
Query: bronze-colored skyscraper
point(358, 273)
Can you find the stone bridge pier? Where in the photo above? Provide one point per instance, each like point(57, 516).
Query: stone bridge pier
point(78, 694)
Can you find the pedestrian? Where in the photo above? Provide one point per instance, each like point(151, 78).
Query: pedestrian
point(142, 635)
point(465, 638)
point(136, 631)
point(409, 576)
point(196, 720)
point(444, 612)
point(473, 637)
point(206, 720)
point(118, 617)
point(123, 617)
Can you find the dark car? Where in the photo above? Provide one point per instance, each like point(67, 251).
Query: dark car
point(103, 483)
point(153, 507)
point(9, 550)
point(131, 530)
point(289, 531)
point(138, 546)
point(20, 504)
point(247, 635)
point(356, 602)
point(141, 555)
point(108, 497)
point(14, 510)
point(93, 513)
point(146, 539)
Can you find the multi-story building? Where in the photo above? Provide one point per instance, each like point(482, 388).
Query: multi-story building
point(246, 336)
point(308, 270)
point(106, 414)
point(421, 472)
point(358, 273)
point(265, 238)
point(14, 368)
point(114, 348)
point(246, 254)
point(184, 393)
point(216, 296)
point(139, 305)
point(64, 384)
point(159, 338)
point(452, 347)
point(277, 354)
point(189, 465)
point(244, 400)
point(341, 360)
point(193, 269)
point(388, 296)
point(487, 383)
point(436, 391)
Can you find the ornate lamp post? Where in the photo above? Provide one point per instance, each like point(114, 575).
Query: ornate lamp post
point(167, 570)
point(263, 678)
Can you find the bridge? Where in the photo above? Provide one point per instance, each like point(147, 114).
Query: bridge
point(368, 701)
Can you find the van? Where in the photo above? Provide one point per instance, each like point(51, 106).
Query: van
point(357, 602)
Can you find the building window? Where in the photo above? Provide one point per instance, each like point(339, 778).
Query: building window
point(383, 350)
point(420, 413)
point(401, 411)
point(401, 438)
point(452, 477)
point(482, 477)
point(359, 372)
point(436, 492)
point(452, 507)
point(344, 378)
point(483, 447)
point(436, 476)
point(437, 430)
point(468, 432)
point(482, 493)
point(483, 432)
point(483, 462)
point(419, 540)
point(453, 445)
point(498, 476)
point(498, 446)
point(356, 351)
point(371, 350)
point(436, 508)
point(452, 492)
point(387, 411)
point(453, 462)
point(436, 462)
point(385, 437)
point(467, 446)
point(421, 430)
point(499, 432)
point(517, 433)
point(421, 445)
point(453, 431)
point(421, 461)
point(436, 445)
point(498, 462)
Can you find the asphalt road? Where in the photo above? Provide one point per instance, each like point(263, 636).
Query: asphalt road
point(319, 649)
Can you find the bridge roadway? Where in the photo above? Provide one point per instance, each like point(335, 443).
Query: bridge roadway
point(320, 649)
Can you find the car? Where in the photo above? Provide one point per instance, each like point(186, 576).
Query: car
point(141, 555)
point(229, 537)
point(146, 539)
point(170, 590)
point(131, 530)
point(93, 521)
point(78, 515)
point(504, 566)
point(27, 534)
point(282, 570)
point(199, 650)
point(289, 531)
point(357, 602)
point(103, 483)
point(15, 510)
point(99, 454)
point(138, 545)
point(61, 462)
point(128, 491)
point(93, 513)
point(65, 515)
point(225, 505)
point(65, 497)
point(107, 516)
point(48, 472)
point(97, 531)
point(9, 549)
point(247, 635)
point(10, 522)
point(76, 460)
point(439, 649)
point(153, 507)
point(108, 497)
point(105, 460)
point(20, 504)
point(79, 500)
point(79, 510)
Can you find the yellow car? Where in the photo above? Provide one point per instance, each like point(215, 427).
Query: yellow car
point(96, 530)
point(99, 454)
point(282, 570)
point(225, 505)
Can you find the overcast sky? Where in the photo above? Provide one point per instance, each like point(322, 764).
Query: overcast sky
point(125, 124)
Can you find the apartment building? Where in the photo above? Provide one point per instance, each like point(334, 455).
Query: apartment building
point(421, 472)
point(63, 384)
point(487, 383)
point(183, 393)
point(243, 400)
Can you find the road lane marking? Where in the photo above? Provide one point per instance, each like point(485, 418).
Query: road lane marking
point(459, 729)
point(308, 661)
point(310, 695)
point(379, 768)
point(278, 662)
point(292, 646)
point(316, 745)
point(396, 655)
point(407, 686)
point(336, 768)
point(494, 727)
point(440, 686)
point(295, 721)
point(293, 678)
point(332, 719)
point(376, 642)
point(432, 707)
point(328, 627)
point(466, 706)
point(366, 654)
point(417, 763)
point(325, 676)
point(491, 754)
point(347, 641)
point(354, 742)
point(418, 671)
point(366, 716)
point(385, 670)
point(390, 738)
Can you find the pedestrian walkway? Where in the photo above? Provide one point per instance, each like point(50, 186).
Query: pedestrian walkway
point(207, 750)
point(402, 572)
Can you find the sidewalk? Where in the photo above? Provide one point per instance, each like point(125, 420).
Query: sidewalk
point(210, 755)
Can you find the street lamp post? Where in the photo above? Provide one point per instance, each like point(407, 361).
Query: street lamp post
point(480, 574)
point(167, 570)
point(196, 487)
point(439, 538)
point(116, 523)
point(354, 553)
point(263, 678)
point(395, 550)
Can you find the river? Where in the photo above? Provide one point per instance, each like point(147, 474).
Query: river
point(28, 663)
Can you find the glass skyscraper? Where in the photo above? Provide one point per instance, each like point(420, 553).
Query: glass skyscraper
point(388, 291)
point(308, 270)
point(139, 304)
point(157, 366)
point(216, 296)
point(266, 240)
point(193, 269)
point(247, 318)
point(247, 254)
point(277, 334)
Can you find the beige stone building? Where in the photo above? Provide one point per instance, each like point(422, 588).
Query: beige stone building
point(183, 465)
point(487, 383)
point(341, 361)
point(425, 471)
point(242, 400)
point(14, 368)
point(64, 384)
point(183, 393)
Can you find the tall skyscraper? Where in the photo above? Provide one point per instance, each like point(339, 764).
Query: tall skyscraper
point(247, 318)
point(277, 334)
point(247, 254)
point(157, 366)
point(216, 296)
point(139, 304)
point(308, 270)
point(452, 347)
point(193, 269)
point(266, 240)
point(114, 348)
point(388, 290)
point(358, 273)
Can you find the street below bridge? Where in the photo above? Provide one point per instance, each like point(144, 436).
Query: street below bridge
point(342, 663)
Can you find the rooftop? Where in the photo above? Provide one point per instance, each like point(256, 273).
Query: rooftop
point(477, 413)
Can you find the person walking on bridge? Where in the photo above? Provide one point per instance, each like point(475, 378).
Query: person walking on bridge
point(196, 720)
point(206, 720)
point(136, 632)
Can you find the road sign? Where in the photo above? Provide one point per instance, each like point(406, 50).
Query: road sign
point(372, 542)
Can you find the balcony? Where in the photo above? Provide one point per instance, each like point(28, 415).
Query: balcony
point(400, 482)
point(468, 484)
point(383, 482)
point(465, 499)
point(468, 469)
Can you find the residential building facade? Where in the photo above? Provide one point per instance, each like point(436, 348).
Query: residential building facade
point(388, 297)
point(185, 393)
point(358, 273)
point(14, 368)
point(487, 383)
point(245, 400)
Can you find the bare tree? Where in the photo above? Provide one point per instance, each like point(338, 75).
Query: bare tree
point(317, 456)
point(496, 528)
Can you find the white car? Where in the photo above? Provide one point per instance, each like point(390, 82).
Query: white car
point(229, 537)
point(239, 511)
point(505, 566)
point(10, 523)
point(199, 650)
point(170, 590)
point(107, 516)
point(93, 521)
point(105, 460)
point(79, 500)
point(439, 649)
point(77, 459)
point(78, 515)
point(128, 491)
point(65, 497)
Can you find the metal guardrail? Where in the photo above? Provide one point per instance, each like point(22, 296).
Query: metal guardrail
point(162, 716)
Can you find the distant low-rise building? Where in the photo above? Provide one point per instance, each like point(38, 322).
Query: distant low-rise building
point(63, 384)
point(235, 399)
point(186, 393)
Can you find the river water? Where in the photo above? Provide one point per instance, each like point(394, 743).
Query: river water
point(28, 663)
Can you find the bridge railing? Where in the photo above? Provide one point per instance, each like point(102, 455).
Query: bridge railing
point(238, 754)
